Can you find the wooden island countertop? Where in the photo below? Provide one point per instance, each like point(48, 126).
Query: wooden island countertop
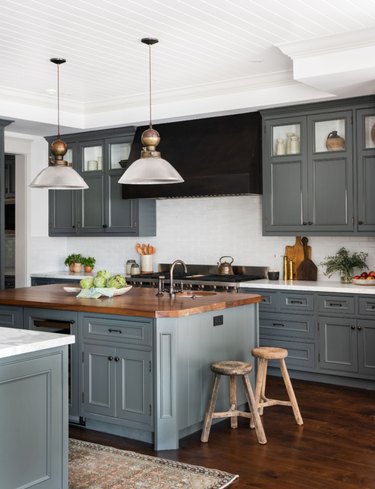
point(136, 302)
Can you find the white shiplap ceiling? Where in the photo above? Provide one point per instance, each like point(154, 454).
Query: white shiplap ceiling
point(206, 48)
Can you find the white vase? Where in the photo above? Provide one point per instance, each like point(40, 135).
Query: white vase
point(146, 263)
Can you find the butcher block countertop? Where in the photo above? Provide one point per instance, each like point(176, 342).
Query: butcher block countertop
point(136, 302)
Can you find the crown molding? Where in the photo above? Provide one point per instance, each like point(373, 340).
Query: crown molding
point(329, 44)
point(236, 85)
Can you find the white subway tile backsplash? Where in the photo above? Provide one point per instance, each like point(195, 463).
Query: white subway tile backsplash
point(200, 230)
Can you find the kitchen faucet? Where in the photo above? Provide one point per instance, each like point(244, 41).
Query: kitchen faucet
point(172, 293)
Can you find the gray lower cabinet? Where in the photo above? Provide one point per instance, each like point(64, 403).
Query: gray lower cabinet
point(34, 420)
point(117, 370)
point(100, 210)
point(325, 334)
point(11, 317)
point(317, 159)
point(61, 322)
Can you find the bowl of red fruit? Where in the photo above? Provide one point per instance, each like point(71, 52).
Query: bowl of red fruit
point(366, 278)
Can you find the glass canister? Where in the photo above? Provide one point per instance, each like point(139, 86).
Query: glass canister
point(280, 147)
point(128, 266)
point(135, 270)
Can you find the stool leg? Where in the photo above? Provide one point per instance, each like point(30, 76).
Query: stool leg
point(254, 411)
point(289, 388)
point(260, 386)
point(233, 401)
point(210, 408)
point(262, 396)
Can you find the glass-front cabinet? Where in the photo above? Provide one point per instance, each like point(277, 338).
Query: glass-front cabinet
point(308, 184)
point(100, 157)
point(330, 172)
point(366, 170)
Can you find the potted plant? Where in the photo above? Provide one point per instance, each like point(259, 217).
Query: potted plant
point(88, 263)
point(74, 262)
point(344, 262)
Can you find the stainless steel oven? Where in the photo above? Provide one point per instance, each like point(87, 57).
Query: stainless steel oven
point(60, 322)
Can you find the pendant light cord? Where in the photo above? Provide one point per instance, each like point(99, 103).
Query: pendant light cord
point(150, 83)
point(58, 101)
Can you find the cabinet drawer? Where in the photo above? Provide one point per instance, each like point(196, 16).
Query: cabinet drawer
point(301, 355)
point(269, 300)
point(336, 304)
point(11, 317)
point(293, 325)
point(296, 302)
point(366, 306)
point(136, 331)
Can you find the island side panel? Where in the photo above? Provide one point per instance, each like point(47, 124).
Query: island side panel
point(185, 348)
point(34, 419)
point(165, 384)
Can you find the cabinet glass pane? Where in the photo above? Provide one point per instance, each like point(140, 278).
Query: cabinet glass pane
point(119, 154)
point(92, 158)
point(329, 135)
point(286, 140)
point(69, 156)
point(370, 131)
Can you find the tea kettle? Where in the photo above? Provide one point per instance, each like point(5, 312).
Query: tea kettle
point(225, 268)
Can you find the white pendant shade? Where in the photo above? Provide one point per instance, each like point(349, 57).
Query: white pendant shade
point(150, 171)
point(59, 177)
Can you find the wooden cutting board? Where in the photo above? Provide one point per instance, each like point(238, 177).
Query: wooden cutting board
point(307, 269)
point(295, 253)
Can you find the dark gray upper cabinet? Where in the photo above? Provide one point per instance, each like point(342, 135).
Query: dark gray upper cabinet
point(315, 163)
point(366, 170)
point(100, 210)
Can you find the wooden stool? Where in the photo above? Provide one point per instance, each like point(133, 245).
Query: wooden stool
point(265, 353)
point(233, 369)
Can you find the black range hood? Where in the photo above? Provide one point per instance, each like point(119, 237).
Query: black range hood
point(215, 156)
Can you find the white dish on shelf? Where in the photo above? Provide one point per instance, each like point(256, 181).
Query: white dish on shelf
point(115, 292)
point(363, 281)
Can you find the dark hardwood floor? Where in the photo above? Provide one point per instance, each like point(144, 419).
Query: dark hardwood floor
point(334, 449)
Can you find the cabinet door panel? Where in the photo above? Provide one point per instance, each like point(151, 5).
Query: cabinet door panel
point(133, 385)
point(366, 346)
point(366, 194)
point(92, 205)
point(61, 213)
point(122, 213)
point(99, 379)
point(331, 205)
point(285, 194)
point(338, 344)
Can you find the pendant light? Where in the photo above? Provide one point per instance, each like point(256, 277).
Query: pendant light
point(59, 174)
point(150, 168)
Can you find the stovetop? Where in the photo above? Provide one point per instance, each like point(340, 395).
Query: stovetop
point(202, 276)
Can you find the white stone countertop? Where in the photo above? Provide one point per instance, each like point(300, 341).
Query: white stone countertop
point(65, 274)
point(15, 341)
point(319, 286)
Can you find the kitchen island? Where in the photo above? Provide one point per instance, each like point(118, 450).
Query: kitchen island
point(33, 409)
point(143, 368)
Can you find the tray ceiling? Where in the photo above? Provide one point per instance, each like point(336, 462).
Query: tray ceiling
point(206, 47)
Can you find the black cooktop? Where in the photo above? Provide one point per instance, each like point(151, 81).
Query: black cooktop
point(200, 278)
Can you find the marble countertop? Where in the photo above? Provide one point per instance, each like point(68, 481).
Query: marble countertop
point(319, 286)
point(17, 341)
point(64, 274)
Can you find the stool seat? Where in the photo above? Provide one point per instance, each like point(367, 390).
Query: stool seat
point(231, 367)
point(265, 353)
point(269, 352)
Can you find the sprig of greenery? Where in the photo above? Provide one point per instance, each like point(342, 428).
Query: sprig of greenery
point(344, 261)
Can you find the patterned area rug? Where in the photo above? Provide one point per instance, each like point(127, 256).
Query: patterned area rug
point(93, 466)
